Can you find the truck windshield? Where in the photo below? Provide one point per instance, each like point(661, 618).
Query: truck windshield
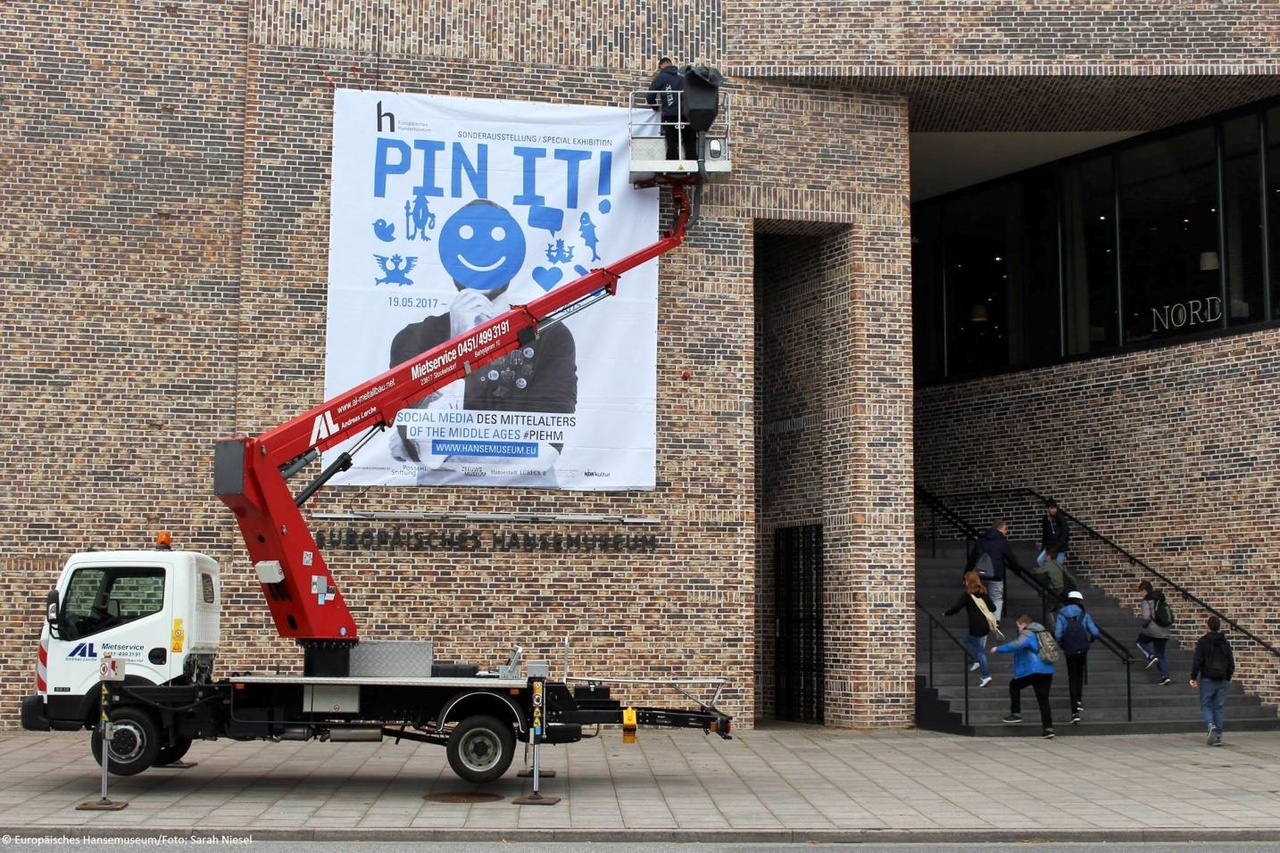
point(99, 598)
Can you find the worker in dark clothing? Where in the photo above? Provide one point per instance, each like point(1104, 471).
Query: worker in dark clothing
point(665, 95)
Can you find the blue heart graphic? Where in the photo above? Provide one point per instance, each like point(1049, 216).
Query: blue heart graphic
point(547, 277)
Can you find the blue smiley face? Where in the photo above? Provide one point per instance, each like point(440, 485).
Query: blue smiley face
point(482, 246)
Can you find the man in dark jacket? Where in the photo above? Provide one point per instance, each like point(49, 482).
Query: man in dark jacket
point(994, 543)
point(1055, 534)
point(1212, 669)
point(666, 95)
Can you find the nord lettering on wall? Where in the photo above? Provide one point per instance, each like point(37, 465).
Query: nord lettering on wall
point(1181, 315)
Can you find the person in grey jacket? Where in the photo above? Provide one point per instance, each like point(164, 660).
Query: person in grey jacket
point(1153, 638)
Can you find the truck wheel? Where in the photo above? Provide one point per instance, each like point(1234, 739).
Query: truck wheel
point(135, 742)
point(481, 748)
point(172, 754)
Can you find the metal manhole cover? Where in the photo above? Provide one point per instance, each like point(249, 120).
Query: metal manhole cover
point(462, 797)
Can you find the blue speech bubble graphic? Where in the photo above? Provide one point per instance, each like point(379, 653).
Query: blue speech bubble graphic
point(548, 218)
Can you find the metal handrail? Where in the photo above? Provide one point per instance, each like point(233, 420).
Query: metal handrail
point(1109, 642)
point(934, 621)
point(1135, 561)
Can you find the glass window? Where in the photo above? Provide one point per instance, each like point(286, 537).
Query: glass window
point(99, 598)
point(927, 289)
point(1169, 275)
point(206, 589)
point(1033, 275)
point(976, 249)
point(1241, 257)
point(1089, 258)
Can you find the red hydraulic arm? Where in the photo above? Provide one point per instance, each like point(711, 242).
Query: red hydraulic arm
point(250, 474)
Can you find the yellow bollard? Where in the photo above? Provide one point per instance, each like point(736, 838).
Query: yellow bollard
point(628, 725)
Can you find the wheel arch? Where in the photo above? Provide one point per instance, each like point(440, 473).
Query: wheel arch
point(484, 702)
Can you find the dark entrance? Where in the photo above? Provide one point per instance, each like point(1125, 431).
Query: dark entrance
point(798, 590)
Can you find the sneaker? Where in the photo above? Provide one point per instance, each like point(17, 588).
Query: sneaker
point(1012, 718)
point(1218, 740)
point(985, 681)
point(1048, 734)
point(1213, 735)
point(1075, 719)
point(1151, 661)
point(1166, 680)
point(975, 666)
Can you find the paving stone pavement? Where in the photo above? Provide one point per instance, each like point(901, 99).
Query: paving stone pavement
point(785, 783)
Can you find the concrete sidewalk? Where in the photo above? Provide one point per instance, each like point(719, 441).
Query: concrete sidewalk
point(771, 784)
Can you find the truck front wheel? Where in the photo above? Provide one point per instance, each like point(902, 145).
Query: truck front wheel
point(481, 748)
point(135, 742)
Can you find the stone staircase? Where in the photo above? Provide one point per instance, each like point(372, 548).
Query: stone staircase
point(942, 670)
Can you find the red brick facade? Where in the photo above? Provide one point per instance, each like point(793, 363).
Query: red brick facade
point(163, 259)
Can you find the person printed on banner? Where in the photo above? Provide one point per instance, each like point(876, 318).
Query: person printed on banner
point(1054, 533)
point(482, 247)
point(980, 612)
point(1212, 669)
point(1075, 630)
point(990, 555)
point(1154, 637)
point(1029, 670)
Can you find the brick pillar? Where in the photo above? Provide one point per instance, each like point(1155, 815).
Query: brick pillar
point(869, 551)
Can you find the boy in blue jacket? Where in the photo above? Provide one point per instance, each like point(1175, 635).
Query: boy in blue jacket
point(1028, 669)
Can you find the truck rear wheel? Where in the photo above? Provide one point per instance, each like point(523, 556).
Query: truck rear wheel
point(135, 742)
point(481, 748)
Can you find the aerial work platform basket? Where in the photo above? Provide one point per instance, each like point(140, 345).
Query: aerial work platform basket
point(701, 130)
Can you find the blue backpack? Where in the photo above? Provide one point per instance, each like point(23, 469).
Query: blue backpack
point(1075, 637)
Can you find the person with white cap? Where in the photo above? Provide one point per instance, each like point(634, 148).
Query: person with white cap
point(1075, 630)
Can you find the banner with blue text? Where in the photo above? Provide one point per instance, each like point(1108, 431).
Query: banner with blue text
point(445, 212)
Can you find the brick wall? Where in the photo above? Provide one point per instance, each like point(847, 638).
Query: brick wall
point(1172, 453)
point(166, 189)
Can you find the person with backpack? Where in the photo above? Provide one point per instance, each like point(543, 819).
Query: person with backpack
point(1212, 669)
point(977, 606)
point(1157, 617)
point(1074, 629)
point(1034, 652)
point(988, 557)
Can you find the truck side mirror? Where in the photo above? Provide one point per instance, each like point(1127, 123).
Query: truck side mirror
point(51, 612)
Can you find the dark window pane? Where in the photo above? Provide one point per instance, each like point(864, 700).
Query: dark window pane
point(927, 290)
point(1242, 254)
point(1088, 204)
point(977, 245)
point(1169, 237)
point(1034, 291)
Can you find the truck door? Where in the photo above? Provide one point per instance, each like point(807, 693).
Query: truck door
point(111, 608)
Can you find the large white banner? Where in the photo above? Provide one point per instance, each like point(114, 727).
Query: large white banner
point(446, 211)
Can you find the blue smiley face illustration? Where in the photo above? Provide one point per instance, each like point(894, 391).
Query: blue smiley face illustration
point(482, 246)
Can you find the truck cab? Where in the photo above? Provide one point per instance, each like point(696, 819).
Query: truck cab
point(157, 612)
